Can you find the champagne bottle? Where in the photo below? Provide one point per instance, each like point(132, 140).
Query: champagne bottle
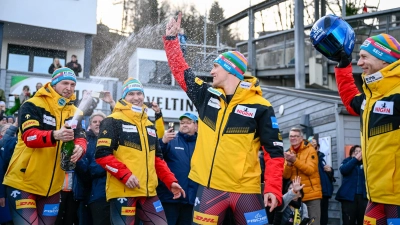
point(67, 150)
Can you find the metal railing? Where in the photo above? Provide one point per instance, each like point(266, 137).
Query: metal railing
point(276, 50)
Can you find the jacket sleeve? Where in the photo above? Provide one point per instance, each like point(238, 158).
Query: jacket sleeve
point(106, 144)
point(310, 166)
point(287, 172)
point(287, 198)
point(17, 105)
point(159, 123)
point(162, 170)
point(348, 91)
point(348, 165)
point(194, 87)
point(272, 146)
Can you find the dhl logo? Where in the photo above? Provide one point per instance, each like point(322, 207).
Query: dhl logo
point(369, 220)
point(204, 219)
point(30, 123)
point(104, 142)
point(128, 211)
point(25, 203)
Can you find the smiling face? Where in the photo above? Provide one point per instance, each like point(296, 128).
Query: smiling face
point(65, 88)
point(135, 98)
point(295, 138)
point(369, 63)
point(219, 75)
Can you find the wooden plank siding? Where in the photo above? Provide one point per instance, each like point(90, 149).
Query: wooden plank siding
point(323, 117)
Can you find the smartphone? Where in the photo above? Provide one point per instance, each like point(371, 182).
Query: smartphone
point(148, 104)
point(96, 94)
point(171, 125)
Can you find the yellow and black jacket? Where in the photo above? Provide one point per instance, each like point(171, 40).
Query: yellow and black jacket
point(306, 167)
point(231, 134)
point(379, 110)
point(127, 145)
point(35, 164)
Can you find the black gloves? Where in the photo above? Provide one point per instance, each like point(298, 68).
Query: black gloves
point(345, 59)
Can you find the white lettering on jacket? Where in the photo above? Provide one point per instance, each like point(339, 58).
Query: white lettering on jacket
point(31, 138)
point(215, 103)
point(384, 107)
point(151, 132)
point(245, 111)
point(129, 128)
point(49, 120)
point(373, 77)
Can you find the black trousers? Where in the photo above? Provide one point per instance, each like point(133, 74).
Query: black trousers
point(324, 210)
point(100, 211)
point(68, 211)
point(353, 212)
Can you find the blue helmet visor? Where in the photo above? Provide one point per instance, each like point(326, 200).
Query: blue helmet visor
point(329, 46)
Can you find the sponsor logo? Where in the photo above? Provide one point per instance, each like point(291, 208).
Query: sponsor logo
point(136, 109)
point(202, 218)
point(128, 211)
point(215, 103)
point(383, 47)
point(15, 193)
point(373, 78)
point(198, 81)
point(122, 200)
point(280, 136)
point(30, 123)
point(278, 144)
point(393, 221)
point(318, 32)
point(25, 203)
point(384, 107)
point(196, 201)
point(129, 128)
point(245, 85)
point(61, 101)
point(157, 205)
point(377, 52)
point(214, 91)
point(274, 122)
point(72, 123)
point(245, 111)
point(31, 138)
point(363, 104)
point(50, 209)
point(105, 132)
point(256, 217)
point(369, 220)
point(104, 142)
point(27, 116)
point(111, 169)
point(49, 120)
point(180, 148)
point(366, 43)
point(151, 132)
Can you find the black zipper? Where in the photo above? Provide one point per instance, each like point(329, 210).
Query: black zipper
point(216, 146)
point(366, 135)
point(147, 164)
point(55, 161)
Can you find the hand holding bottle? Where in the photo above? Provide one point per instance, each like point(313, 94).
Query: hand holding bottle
point(77, 153)
point(65, 133)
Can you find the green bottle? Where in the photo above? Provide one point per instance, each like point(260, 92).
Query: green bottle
point(67, 150)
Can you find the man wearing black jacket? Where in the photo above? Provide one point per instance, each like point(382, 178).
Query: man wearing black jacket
point(74, 65)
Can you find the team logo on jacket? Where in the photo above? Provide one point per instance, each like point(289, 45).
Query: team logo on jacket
point(384, 107)
point(215, 103)
point(104, 142)
point(245, 85)
point(49, 120)
point(151, 132)
point(198, 81)
point(61, 101)
point(129, 128)
point(128, 211)
point(274, 122)
point(373, 77)
point(245, 111)
point(30, 123)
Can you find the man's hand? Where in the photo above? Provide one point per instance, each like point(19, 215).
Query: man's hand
point(168, 136)
point(77, 153)
point(173, 26)
point(108, 98)
point(290, 157)
point(16, 122)
point(271, 201)
point(155, 107)
point(177, 190)
point(345, 60)
point(327, 168)
point(132, 182)
point(64, 134)
point(2, 202)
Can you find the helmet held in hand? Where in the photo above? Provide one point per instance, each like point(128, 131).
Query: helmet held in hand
point(330, 35)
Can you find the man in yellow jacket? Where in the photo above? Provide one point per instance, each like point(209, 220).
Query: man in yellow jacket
point(302, 160)
point(34, 176)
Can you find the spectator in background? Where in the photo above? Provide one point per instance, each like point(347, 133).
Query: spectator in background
point(177, 150)
point(2, 95)
point(327, 178)
point(4, 112)
point(25, 95)
point(302, 160)
point(74, 65)
point(55, 65)
point(182, 41)
point(38, 86)
point(352, 193)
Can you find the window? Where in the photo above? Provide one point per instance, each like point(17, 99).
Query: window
point(31, 59)
point(154, 72)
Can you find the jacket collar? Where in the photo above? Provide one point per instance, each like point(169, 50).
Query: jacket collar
point(382, 81)
point(53, 98)
point(135, 113)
